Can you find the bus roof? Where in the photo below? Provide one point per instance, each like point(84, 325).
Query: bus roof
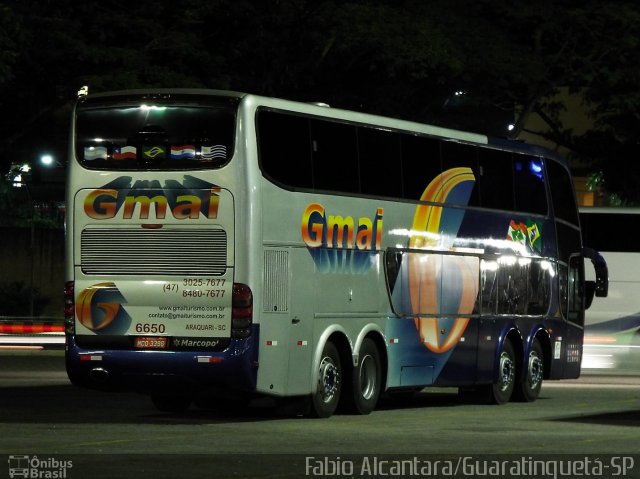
point(324, 110)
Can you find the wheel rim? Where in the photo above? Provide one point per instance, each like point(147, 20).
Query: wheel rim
point(368, 376)
point(329, 379)
point(507, 371)
point(534, 370)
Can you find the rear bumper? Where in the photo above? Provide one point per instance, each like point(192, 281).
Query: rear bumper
point(145, 371)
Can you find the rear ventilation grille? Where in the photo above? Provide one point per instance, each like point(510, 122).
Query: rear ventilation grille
point(276, 282)
point(183, 252)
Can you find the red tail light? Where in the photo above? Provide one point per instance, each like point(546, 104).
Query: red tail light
point(242, 313)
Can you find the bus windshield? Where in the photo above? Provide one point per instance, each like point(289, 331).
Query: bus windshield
point(154, 135)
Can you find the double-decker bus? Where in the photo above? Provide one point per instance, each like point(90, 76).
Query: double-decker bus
point(227, 245)
point(612, 325)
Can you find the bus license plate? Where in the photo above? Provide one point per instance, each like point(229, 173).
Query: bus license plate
point(156, 342)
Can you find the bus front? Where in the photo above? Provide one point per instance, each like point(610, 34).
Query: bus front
point(150, 299)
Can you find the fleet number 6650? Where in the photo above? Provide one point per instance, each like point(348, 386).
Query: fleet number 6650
point(153, 328)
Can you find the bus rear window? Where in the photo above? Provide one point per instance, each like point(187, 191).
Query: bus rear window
point(154, 136)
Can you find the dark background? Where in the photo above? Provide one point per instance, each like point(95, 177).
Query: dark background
point(477, 65)
point(564, 73)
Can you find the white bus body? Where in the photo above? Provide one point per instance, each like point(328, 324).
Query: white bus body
point(231, 244)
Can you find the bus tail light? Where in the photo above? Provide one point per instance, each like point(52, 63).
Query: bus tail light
point(69, 307)
point(242, 311)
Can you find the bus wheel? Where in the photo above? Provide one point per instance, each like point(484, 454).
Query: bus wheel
point(325, 400)
point(366, 379)
point(502, 389)
point(170, 403)
point(530, 378)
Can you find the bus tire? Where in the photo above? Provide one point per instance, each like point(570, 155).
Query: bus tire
point(325, 400)
point(366, 379)
point(530, 376)
point(502, 390)
point(170, 403)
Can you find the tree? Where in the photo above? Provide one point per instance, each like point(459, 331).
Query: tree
point(590, 47)
point(403, 58)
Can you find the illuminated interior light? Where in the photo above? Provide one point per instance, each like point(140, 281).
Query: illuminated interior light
point(507, 260)
point(536, 167)
point(513, 246)
point(547, 266)
point(489, 265)
point(145, 107)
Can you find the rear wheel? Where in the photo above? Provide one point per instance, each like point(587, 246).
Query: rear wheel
point(530, 377)
point(366, 381)
point(502, 389)
point(325, 400)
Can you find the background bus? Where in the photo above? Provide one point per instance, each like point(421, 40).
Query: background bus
point(612, 326)
point(231, 245)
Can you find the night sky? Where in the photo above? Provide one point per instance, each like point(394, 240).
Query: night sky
point(475, 65)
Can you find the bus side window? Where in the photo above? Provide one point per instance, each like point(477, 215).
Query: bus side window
point(495, 169)
point(380, 162)
point(284, 150)
point(530, 192)
point(420, 164)
point(335, 156)
point(457, 155)
point(488, 287)
point(563, 198)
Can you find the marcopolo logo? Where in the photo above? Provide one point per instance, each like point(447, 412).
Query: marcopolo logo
point(40, 468)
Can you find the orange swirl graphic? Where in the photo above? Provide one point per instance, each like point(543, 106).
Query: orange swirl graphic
point(83, 307)
point(426, 270)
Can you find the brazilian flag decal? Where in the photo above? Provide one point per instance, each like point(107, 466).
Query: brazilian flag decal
point(154, 153)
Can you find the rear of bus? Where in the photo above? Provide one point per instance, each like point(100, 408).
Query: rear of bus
point(150, 298)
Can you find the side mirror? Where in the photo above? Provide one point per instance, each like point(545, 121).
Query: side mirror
point(601, 269)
